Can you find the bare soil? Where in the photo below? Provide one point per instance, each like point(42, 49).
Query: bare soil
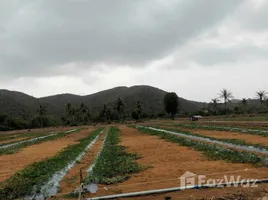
point(168, 162)
point(10, 164)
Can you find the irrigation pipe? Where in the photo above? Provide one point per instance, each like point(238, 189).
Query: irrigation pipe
point(50, 188)
point(34, 139)
point(191, 137)
point(31, 140)
point(176, 189)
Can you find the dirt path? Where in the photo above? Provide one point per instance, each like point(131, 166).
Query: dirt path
point(254, 139)
point(169, 161)
point(10, 164)
point(72, 179)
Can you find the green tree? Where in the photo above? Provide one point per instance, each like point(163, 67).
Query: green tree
point(261, 95)
point(171, 102)
point(42, 111)
point(134, 115)
point(120, 107)
point(71, 111)
point(84, 112)
point(226, 95)
point(244, 103)
point(214, 103)
point(139, 109)
point(105, 113)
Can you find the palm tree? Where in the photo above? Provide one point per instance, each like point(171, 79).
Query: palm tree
point(119, 106)
point(139, 109)
point(261, 95)
point(214, 103)
point(226, 95)
point(245, 104)
point(70, 111)
point(83, 110)
point(42, 111)
point(266, 102)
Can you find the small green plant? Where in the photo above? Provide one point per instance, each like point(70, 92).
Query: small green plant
point(16, 148)
point(36, 174)
point(114, 163)
point(224, 128)
point(209, 150)
point(231, 141)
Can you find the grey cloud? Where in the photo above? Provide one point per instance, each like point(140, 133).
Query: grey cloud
point(41, 35)
point(213, 55)
point(254, 19)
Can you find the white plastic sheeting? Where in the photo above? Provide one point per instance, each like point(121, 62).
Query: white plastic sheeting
point(241, 147)
point(50, 188)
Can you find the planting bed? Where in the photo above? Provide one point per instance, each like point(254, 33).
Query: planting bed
point(223, 128)
point(168, 161)
point(254, 139)
point(72, 179)
point(38, 177)
point(10, 164)
point(14, 136)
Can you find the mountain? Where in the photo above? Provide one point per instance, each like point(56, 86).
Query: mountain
point(17, 103)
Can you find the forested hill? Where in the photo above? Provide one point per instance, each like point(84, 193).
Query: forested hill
point(20, 104)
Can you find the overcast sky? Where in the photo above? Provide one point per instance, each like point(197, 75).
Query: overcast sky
point(192, 47)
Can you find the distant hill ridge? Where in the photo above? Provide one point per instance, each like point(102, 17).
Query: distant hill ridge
point(18, 104)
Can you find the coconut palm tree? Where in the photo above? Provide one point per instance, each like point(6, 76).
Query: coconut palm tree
point(120, 106)
point(71, 111)
point(244, 102)
point(83, 110)
point(42, 111)
point(226, 95)
point(139, 109)
point(214, 103)
point(261, 95)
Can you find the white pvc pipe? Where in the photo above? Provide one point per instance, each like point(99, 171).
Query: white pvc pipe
point(176, 189)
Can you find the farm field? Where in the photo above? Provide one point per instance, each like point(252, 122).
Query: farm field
point(126, 158)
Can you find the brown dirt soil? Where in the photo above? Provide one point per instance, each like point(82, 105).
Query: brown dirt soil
point(72, 179)
point(254, 139)
point(169, 161)
point(10, 164)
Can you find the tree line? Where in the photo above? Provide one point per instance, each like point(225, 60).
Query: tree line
point(116, 112)
point(242, 107)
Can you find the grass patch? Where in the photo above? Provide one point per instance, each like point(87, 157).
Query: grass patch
point(224, 128)
point(16, 148)
point(114, 164)
point(211, 151)
point(35, 175)
point(231, 141)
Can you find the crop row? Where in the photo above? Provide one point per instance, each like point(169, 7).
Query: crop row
point(223, 128)
point(114, 164)
point(25, 136)
point(230, 141)
point(35, 175)
point(209, 150)
point(22, 144)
